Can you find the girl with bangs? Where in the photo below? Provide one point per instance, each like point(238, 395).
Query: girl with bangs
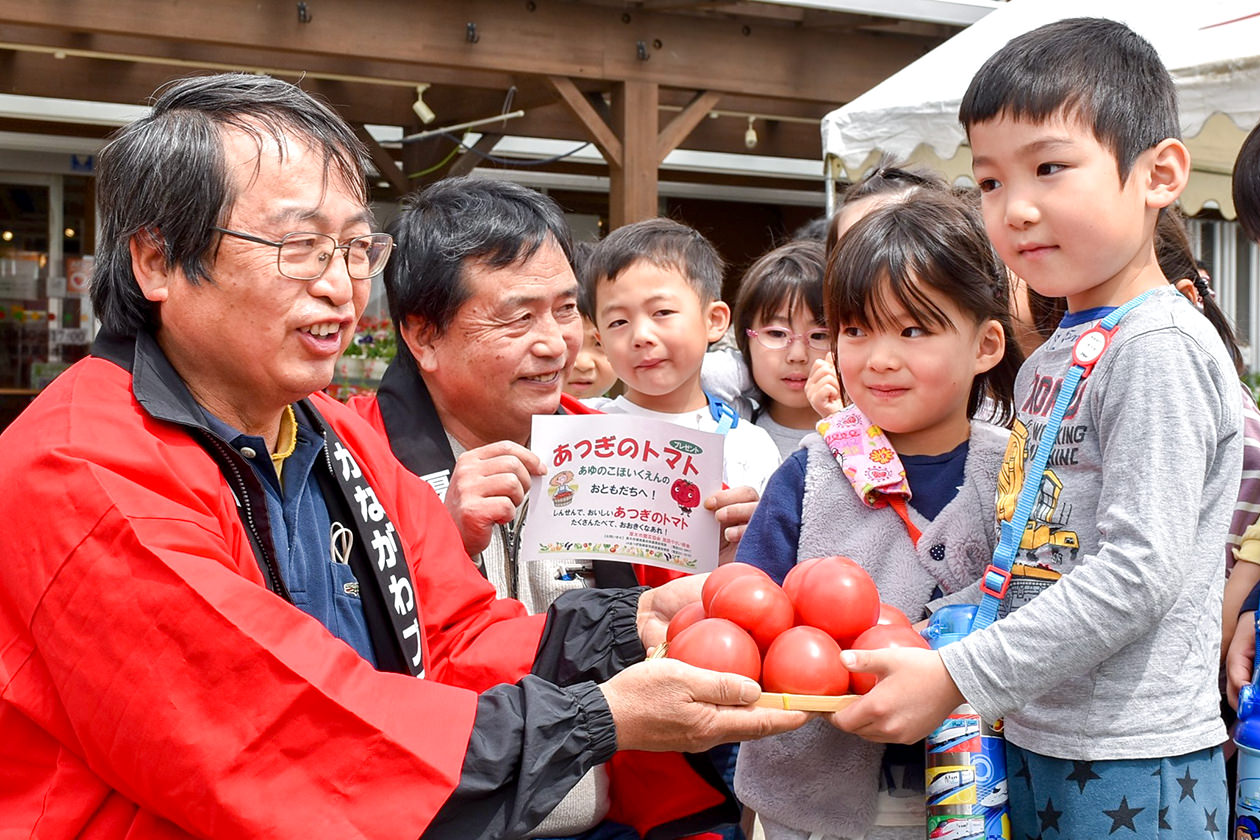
point(902, 479)
point(780, 333)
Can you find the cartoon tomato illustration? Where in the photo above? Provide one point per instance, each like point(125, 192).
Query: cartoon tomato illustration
point(686, 494)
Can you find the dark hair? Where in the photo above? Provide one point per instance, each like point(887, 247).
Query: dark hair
point(664, 243)
point(581, 259)
point(1176, 260)
point(1247, 184)
point(814, 229)
point(460, 221)
point(789, 275)
point(887, 178)
point(1097, 70)
point(165, 177)
point(930, 239)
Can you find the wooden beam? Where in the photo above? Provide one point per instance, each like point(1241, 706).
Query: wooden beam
point(385, 165)
point(672, 136)
point(601, 135)
point(99, 80)
point(192, 56)
point(546, 37)
point(723, 134)
point(632, 194)
point(472, 157)
point(33, 74)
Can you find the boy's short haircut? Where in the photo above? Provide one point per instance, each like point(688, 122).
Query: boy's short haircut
point(664, 243)
point(1099, 71)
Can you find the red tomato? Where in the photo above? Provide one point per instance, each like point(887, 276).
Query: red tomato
point(792, 580)
point(888, 614)
point(877, 638)
point(804, 660)
point(723, 575)
point(683, 619)
point(757, 604)
point(838, 596)
point(719, 645)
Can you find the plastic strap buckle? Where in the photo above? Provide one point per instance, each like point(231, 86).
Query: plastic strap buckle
point(727, 417)
point(1089, 348)
point(995, 581)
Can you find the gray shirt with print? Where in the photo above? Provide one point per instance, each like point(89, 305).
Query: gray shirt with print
point(1118, 658)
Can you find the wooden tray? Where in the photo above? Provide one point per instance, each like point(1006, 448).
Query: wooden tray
point(805, 702)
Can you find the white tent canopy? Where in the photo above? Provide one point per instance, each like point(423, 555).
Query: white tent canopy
point(1211, 47)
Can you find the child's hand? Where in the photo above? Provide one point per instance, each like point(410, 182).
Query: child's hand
point(1238, 659)
point(732, 508)
point(822, 389)
point(914, 694)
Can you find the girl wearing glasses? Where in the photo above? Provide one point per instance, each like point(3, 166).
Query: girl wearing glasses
point(779, 330)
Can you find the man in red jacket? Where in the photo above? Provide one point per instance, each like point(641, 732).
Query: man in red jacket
point(225, 609)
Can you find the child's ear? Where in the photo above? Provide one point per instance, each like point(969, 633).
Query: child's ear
point(421, 339)
point(1186, 286)
point(1169, 172)
point(990, 346)
point(718, 315)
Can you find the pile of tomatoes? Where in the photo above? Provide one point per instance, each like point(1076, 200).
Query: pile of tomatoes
point(790, 637)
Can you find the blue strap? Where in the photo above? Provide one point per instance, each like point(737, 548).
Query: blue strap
point(727, 418)
point(997, 575)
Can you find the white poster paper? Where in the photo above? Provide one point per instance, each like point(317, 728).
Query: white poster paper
point(620, 487)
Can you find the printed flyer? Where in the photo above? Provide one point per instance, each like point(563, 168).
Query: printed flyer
point(624, 488)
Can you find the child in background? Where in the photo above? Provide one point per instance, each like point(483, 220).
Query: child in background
point(780, 331)
point(655, 290)
point(1241, 651)
point(917, 305)
point(1104, 664)
point(591, 375)
point(1242, 550)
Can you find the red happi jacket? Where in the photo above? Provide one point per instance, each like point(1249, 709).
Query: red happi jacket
point(152, 686)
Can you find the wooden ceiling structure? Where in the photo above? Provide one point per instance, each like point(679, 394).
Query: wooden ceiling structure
point(637, 79)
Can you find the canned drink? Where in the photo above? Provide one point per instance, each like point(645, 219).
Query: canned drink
point(966, 759)
point(1247, 737)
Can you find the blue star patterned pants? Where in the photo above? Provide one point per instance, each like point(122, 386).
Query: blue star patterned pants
point(1174, 798)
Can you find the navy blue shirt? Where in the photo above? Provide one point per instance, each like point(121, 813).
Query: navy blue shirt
point(323, 588)
point(934, 479)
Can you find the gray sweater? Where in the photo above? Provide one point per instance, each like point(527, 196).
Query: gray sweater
point(817, 778)
point(1118, 658)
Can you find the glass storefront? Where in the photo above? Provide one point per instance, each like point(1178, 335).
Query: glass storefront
point(47, 232)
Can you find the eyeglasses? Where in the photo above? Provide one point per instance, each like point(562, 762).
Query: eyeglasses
point(306, 256)
point(779, 338)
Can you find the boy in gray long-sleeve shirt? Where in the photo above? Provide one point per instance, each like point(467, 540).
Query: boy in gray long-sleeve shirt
point(1105, 663)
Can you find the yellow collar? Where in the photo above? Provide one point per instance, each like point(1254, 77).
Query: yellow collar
point(286, 441)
